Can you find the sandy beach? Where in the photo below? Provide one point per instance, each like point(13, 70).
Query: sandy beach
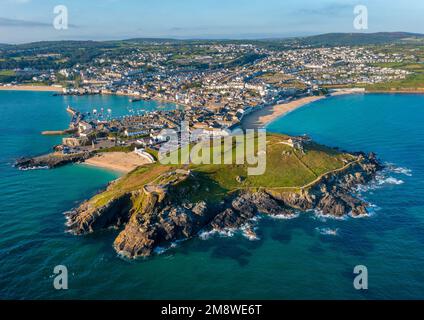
point(117, 161)
point(31, 88)
point(261, 118)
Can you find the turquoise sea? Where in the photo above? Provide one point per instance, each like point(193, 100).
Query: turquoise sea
point(294, 259)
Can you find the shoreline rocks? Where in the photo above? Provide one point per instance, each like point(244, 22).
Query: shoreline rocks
point(50, 161)
point(151, 217)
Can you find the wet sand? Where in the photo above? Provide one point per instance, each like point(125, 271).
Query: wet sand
point(117, 161)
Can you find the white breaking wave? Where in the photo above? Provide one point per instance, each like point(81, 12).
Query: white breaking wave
point(328, 231)
point(251, 237)
point(385, 178)
point(390, 180)
point(399, 170)
point(380, 181)
point(34, 168)
point(249, 232)
point(161, 250)
point(372, 209)
point(284, 216)
point(207, 234)
point(320, 215)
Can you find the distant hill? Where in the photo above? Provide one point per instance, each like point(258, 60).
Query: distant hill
point(65, 44)
point(328, 39)
point(149, 40)
point(349, 39)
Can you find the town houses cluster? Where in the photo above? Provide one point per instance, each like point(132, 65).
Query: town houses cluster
point(214, 84)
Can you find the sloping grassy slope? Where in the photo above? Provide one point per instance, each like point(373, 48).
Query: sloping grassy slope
point(286, 167)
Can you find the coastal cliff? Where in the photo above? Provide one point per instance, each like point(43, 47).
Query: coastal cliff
point(157, 205)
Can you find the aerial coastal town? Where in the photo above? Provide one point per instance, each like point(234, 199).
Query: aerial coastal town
point(208, 159)
point(215, 85)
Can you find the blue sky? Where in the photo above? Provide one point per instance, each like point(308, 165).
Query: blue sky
point(31, 20)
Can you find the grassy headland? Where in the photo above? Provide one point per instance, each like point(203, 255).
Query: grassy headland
point(287, 169)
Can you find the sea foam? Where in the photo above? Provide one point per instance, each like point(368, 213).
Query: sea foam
point(399, 170)
point(284, 216)
point(320, 215)
point(34, 168)
point(390, 180)
point(207, 234)
point(327, 231)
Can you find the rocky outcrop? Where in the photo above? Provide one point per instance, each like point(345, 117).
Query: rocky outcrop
point(245, 207)
point(159, 221)
point(153, 217)
point(51, 160)
point(148, 230)
point(87, 218)
point(332, 193)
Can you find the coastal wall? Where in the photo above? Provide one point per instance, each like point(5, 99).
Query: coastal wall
point(58, 132)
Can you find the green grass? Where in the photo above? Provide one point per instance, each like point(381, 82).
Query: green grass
point(133, 181)
point(153, 153)
point(127, 149)
point(286, 169)
point(7, 73)
point(7, 76)
point(38, 84)
point(415, 81)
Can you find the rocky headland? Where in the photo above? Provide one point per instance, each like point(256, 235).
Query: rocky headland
point(163, 208)
point(52, 160)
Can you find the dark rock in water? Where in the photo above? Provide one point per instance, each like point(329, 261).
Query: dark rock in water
point(200, 208)
point(50, 160)
point(231, 219)
point(86, 219)
point(332, 194)
point(149, 229)
point(332, 205)
point(159, 221)
point(153, 216)
point(245, 207)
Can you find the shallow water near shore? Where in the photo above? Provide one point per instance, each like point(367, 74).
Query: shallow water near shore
point(305, 257)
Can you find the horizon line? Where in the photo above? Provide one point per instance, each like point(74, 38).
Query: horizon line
point(206, 38)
